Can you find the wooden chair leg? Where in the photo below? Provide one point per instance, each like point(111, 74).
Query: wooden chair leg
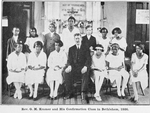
point(128, 89)
point(142, 90)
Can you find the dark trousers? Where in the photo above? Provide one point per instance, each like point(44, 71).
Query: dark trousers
point(74, 76)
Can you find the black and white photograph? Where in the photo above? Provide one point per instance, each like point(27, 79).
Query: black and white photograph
point(89, 53)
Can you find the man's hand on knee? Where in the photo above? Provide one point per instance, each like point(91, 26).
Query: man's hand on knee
point(68, 69)
point(84, 69)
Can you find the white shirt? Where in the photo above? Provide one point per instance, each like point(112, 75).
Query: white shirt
point(16, 61)
point(68, 38)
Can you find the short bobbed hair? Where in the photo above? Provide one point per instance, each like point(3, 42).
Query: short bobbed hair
point(38, 43)
point(116, 29)
point(104, 30)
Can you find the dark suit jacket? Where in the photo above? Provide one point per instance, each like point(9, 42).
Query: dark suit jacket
point(84, 58)
point(49, 42)
point(11, 45)
point(90, 42)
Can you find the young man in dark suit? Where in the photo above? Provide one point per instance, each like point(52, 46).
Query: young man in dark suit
point(78, 64)
point(88, 39)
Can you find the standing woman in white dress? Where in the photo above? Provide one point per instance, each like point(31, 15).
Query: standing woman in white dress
point(36, 65)
point(120, 40)
point(138, 71)
point(16, 64)
point(32, 38)
point(99, 70)
point(56, 62)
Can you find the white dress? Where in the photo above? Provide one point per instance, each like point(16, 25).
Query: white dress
point(142, 75)
point(55, 59)
point(30, 42)
point(16, 62)
point(99, 63)
point(35, 76)
point(114, 62)
point(104, 43)
point(68, 38)
point(122, 43)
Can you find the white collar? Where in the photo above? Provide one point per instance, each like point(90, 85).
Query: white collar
point(78, 46)
point(88, 36)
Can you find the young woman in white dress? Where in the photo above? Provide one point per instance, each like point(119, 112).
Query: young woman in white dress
point(120, 40)
point(16, 64)
point(138, 71)
point(32, 38)
point(36, 65)
point(99, 70)
point(56, 62)
point(117, 70)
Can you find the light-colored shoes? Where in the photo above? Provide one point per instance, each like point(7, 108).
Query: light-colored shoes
point(19, 95)
point(97, 97)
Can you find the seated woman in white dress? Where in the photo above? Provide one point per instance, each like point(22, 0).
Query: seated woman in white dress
point(36, 65)
point(117, 70)
point(99, 70)
point(56, 62)
point(16, 64)
point(138, 71)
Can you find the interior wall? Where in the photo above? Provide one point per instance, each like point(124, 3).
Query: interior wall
point(38, 15)
point(116, 14)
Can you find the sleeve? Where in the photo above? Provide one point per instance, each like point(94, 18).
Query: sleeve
point(44, 59)
point(88, 58)
point(92, 63)
point(8, 49)
point(107, 58)
point(50, 61)
point(64, 60)
point(30, 59)
point(70, 58)
point(9, 62)
point(133, 58)
point(146, 59)
point(24, 61)
point(44, 41)
point(123, 44)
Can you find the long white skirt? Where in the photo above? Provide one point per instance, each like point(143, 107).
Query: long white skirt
point(52, 75)
point(34, 76)
point(113, 75)
point(142, 77)
point(97, 74)
point(15, 77)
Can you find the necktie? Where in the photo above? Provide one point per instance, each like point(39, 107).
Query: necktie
point(78, 53)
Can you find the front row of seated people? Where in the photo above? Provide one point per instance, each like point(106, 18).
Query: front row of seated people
point(78, 65)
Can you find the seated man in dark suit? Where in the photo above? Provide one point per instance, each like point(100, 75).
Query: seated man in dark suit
point(78, 65)
point(88, 39)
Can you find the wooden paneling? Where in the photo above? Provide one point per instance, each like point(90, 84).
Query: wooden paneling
point(136, 32)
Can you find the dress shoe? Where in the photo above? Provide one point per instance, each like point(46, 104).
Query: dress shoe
point(123, 97)
point(35, 99)
point(67, 96)
point(119, 97)
point(132, 99)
